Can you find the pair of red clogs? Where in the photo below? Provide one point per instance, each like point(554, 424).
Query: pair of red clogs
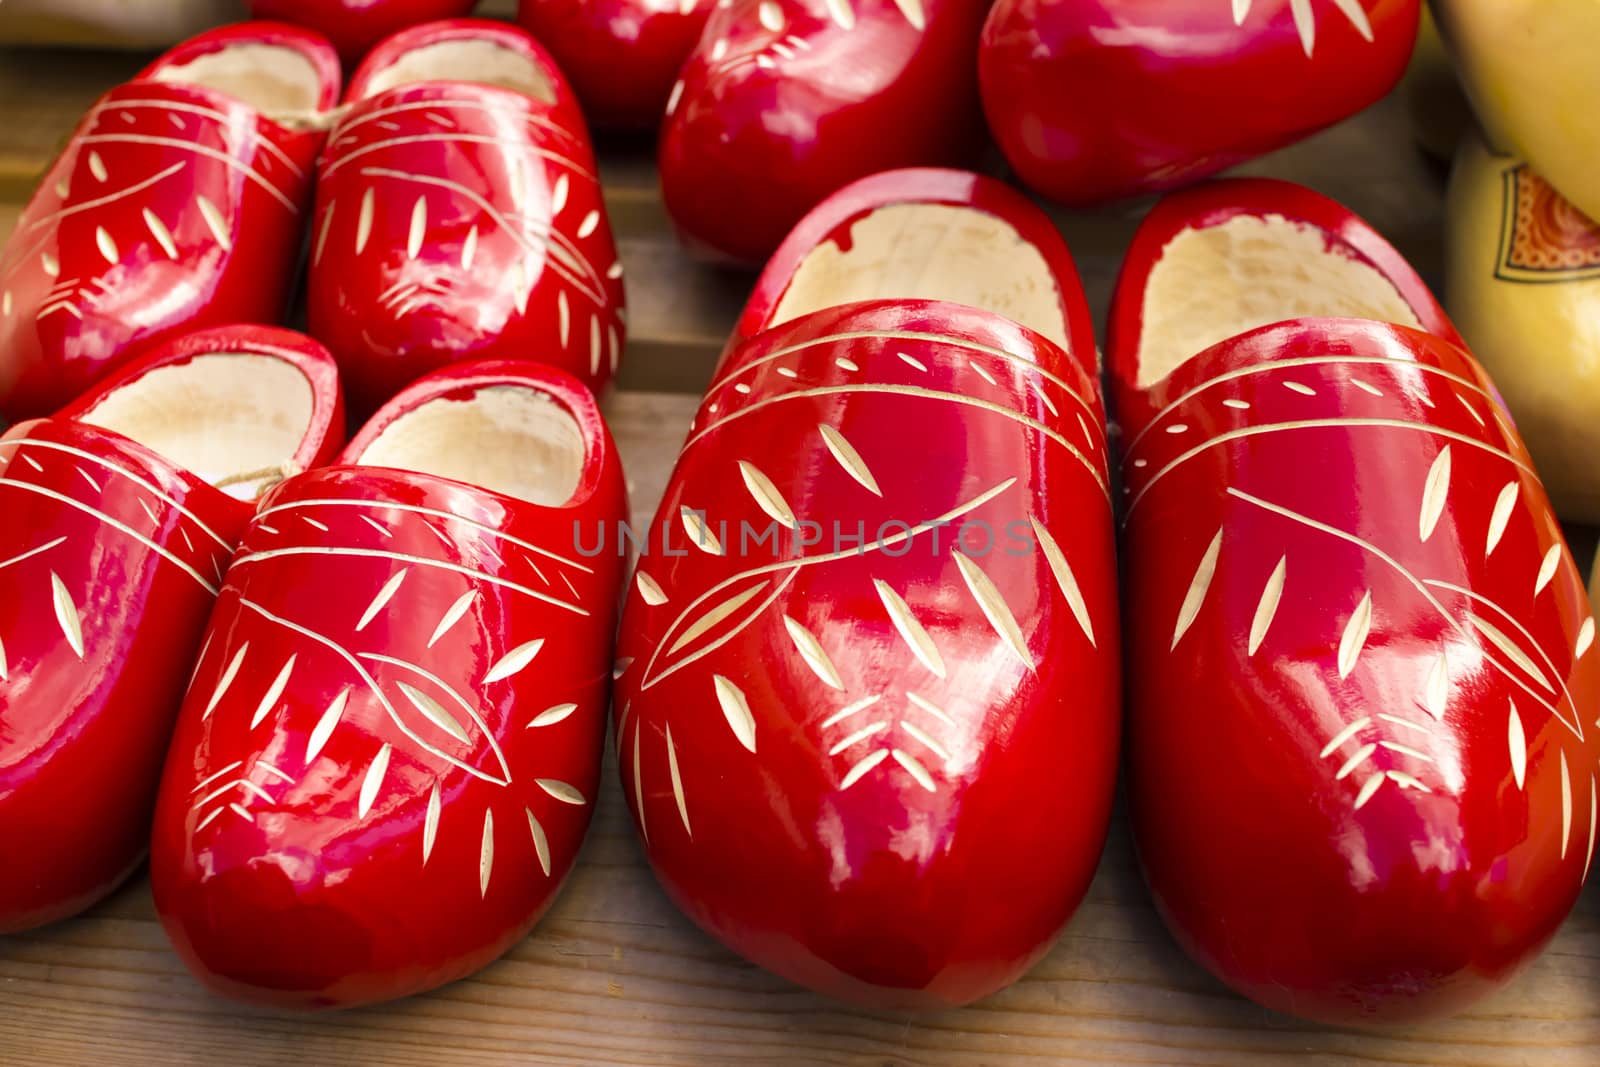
point(782, 102)
point(390, 746)
point(868, 706)
point(457, 213)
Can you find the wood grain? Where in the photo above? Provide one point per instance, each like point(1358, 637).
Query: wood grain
point(614, 975)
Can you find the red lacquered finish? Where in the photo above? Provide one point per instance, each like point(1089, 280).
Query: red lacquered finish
point(1099, 100)
point(786, 101)
point(458, 220)
point(390, 752)
point(1361, 667)
point(904, 701)
point(110, 559)
point(354, 26)
point(622, 55)
point(174, 206)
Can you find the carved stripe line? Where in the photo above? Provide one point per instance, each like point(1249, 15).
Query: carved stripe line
point(199, 150)
point(372, 553)
point(143, 483)
point(1417, 583)
point(205, 112)
point(1286, 364)
point(794, 567)
point(431, 708)
point(120, 527)
point(89, 205)
point(435, 513)
point(1021, 362)
point(552, 241)
point(1195, 598)
point(1319, 424)
point(919, 393)
point(372, 685)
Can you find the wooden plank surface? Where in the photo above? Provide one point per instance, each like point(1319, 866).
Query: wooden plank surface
point(614, 975)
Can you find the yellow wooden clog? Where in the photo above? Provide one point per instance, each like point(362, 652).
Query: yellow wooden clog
point(1523, 286)
point(1532, 70)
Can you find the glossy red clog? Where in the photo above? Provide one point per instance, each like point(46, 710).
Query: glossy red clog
point(178, 203)
point(459, 216)
point(117, 520)
point(354, 26)
point(623, 56)
point(1100, 100)
point(1360, 659)
point(785, 101)
point(390, 752)
point(868, 664)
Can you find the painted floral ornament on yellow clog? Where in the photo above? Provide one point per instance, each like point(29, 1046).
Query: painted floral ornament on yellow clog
point(1530, 68)
point(1523, 285)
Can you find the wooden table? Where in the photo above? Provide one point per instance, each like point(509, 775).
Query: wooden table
point(614, 975)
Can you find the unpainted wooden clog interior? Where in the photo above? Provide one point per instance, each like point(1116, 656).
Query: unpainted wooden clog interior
point(481, 61)
point(233, 419)
point(1250, 271)
point(931, 252)
point(510, 439)
point(270, 78)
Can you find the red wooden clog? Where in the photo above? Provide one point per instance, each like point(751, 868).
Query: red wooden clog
point(178, 203)
point(1361, 668)
point(354, 26)
point(785, 101)
point(868, 666)
point(1100, 100)
point(623, 56)
point(459, 216)
point(390, 751)
point(117, 520)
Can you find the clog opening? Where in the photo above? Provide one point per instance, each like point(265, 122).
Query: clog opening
point(270, 78)
point(1250, 271)
point(234, 419)
point(483, 62)
point(930, 252)
point(510, 439)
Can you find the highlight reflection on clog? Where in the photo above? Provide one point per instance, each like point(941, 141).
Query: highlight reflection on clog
point(1362, 665)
